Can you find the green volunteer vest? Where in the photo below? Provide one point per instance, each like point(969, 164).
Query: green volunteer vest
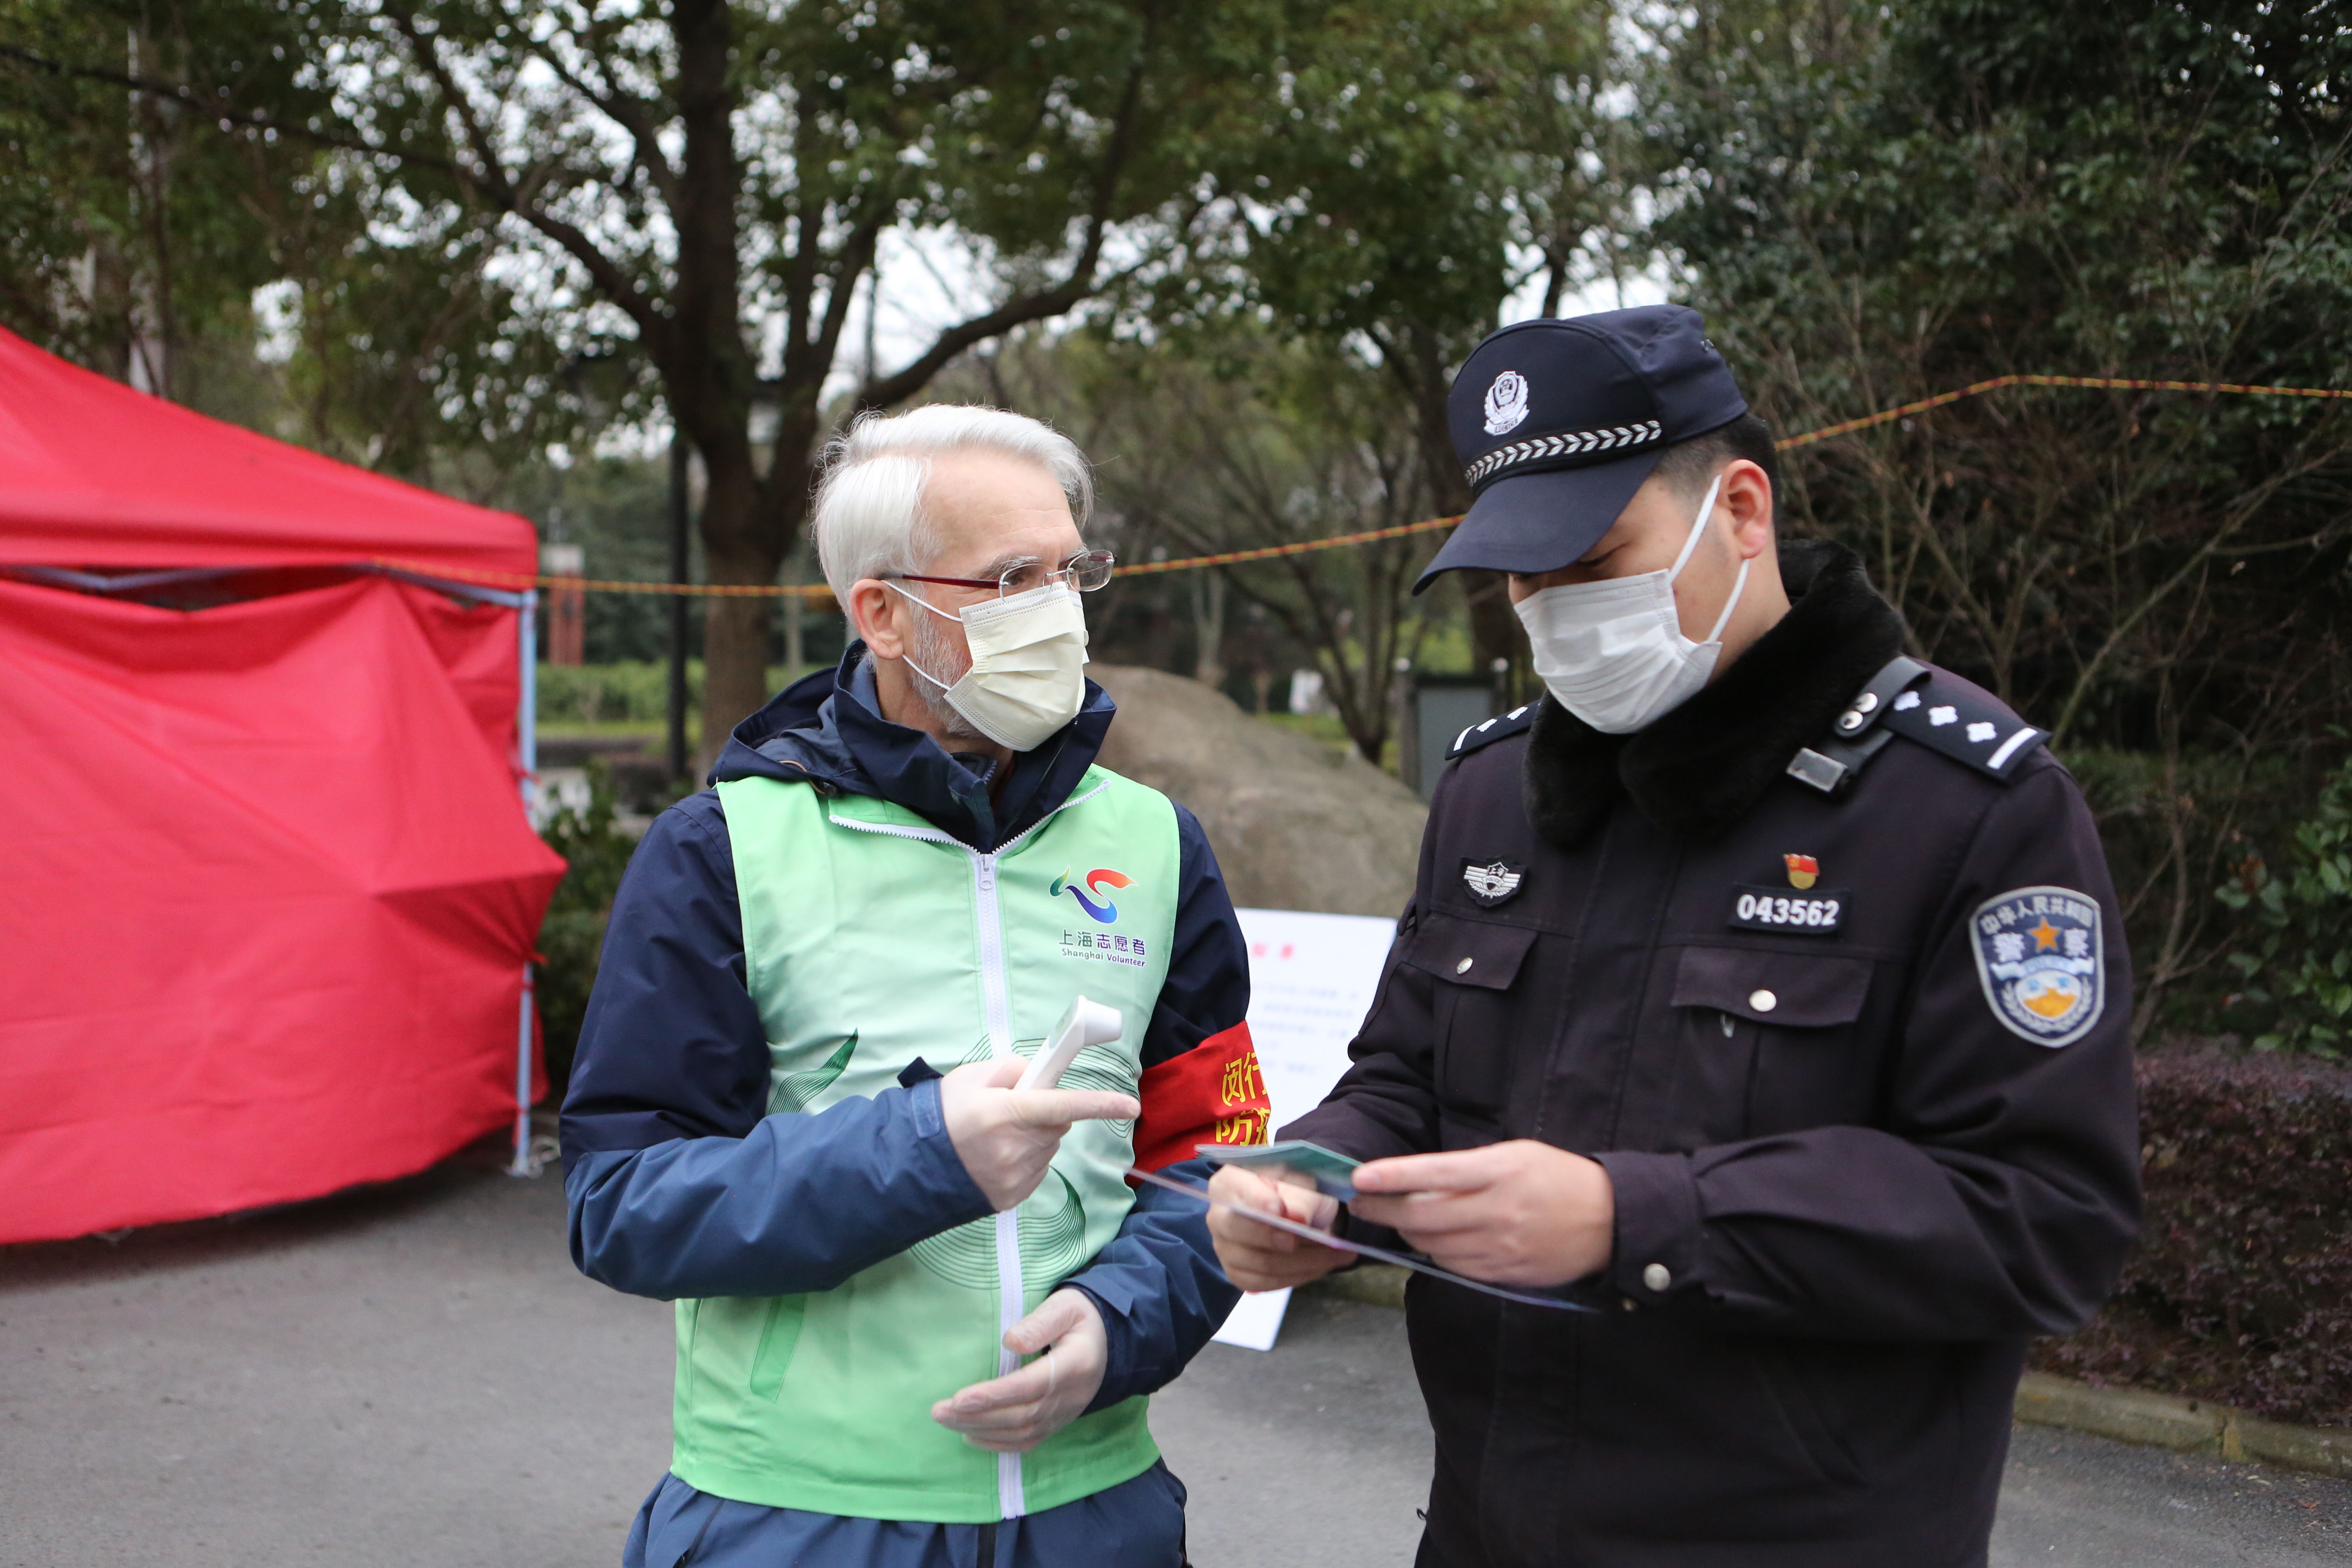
point(871, 937)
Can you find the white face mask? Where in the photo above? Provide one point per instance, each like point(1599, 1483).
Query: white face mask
point(1028, 662)
point(1613, 653)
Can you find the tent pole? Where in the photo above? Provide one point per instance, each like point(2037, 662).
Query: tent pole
point(527, 708)
point(527, 748)
point(521, 1165)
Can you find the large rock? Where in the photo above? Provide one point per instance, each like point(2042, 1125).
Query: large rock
point(1298, 823)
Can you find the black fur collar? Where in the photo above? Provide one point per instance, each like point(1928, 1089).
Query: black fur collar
point(1697, 771)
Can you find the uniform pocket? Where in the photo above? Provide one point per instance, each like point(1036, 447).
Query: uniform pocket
point(1775, 1044)
point(1477, 963)
point(1786, 990)
point(1757, 1026)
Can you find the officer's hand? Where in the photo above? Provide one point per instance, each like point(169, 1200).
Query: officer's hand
point(1258, 1256)
point(1006, 1137)
point(1521, 1213)
point(1012, 1413)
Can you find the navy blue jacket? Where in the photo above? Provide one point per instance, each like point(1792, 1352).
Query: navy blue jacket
point(678, 1182)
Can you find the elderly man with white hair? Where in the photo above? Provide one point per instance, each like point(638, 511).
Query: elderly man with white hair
point(794, 1109)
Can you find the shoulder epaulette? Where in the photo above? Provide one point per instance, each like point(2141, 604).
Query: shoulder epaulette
point(1965, 725)
point(1905, 698)
point(1493, 729)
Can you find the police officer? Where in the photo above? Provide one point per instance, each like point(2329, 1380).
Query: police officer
point(1761, 988)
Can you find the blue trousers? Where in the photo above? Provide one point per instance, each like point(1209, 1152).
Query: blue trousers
point(1137, 1523)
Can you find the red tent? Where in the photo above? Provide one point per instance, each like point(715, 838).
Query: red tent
point(270, 891)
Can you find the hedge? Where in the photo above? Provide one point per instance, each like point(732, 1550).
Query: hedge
point(2241, 1288)
point(596, 850)
point(628, 691)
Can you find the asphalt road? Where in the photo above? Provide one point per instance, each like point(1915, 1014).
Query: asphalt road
point(415, 1375)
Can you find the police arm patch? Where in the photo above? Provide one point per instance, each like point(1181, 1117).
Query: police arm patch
point(2043, 964)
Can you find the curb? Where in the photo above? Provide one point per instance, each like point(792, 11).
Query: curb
point(1373, 1284)
point(2128, 1414)
point(2189, 1426)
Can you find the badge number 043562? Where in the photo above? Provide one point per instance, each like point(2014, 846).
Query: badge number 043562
point(1817, 911)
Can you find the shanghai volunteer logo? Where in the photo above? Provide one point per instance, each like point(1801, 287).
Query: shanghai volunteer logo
point(1093, 882)
point(2039, 956)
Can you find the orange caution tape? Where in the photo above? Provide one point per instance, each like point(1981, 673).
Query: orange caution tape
point(818, 591)
point(1266, 552)
point(2108, 383)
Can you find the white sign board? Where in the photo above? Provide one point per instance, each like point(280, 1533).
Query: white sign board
point(1311, 981)
point(1312, 978)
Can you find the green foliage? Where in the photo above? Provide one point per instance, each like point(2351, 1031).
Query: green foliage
point(167, 159)
point(623, 692)
point(628, 690)
point(1393, 154)
point(572, 936)
point(2169, 824)
point(617, 510)
point(2299, 975)
point(1876, 204)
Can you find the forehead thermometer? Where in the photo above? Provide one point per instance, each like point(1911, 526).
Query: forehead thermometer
point(1085, 1023)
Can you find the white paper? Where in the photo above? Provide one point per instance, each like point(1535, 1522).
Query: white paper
point(1255, 1319)
point(1312, 978)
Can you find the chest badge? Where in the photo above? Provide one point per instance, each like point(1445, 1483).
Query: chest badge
point(1804, 870)
point(2042, 963)
point(1492, 882)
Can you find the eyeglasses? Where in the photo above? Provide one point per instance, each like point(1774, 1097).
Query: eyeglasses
point(1087, 571)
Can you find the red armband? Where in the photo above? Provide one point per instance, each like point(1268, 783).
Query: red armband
point(1214, 1093)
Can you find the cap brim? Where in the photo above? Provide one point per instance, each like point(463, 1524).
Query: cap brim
point(1531, 523)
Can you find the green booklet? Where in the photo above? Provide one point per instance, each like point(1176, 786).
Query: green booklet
point(1328, 1171)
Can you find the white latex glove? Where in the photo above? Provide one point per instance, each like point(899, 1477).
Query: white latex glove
point(1006, 1137)
point(1013, 1413)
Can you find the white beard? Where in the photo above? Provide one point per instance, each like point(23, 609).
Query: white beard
point(945, 662)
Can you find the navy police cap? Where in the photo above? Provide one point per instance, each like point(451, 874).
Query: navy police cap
point(1557, 423)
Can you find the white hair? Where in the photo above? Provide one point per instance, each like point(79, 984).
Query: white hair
point(869, 519)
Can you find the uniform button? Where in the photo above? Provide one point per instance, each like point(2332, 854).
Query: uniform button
point(1657, 1277)
point(1762, 1000)
point(1464, 967)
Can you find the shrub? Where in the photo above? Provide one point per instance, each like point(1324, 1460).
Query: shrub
point(597, 851)
point(629, 692)
point(2299, 979)
point(626, 691)
point(2241, 1288)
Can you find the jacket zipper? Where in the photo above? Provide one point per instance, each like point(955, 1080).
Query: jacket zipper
point(1009, 1283)
point(998, 1004)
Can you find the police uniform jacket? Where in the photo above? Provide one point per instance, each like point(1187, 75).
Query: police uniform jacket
point(1857, 1060)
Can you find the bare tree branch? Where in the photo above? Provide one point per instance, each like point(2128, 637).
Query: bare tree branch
point(885, 391)
point(489, 178)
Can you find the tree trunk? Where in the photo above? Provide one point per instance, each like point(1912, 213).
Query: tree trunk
point(745, 543)
point(1209, 627)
